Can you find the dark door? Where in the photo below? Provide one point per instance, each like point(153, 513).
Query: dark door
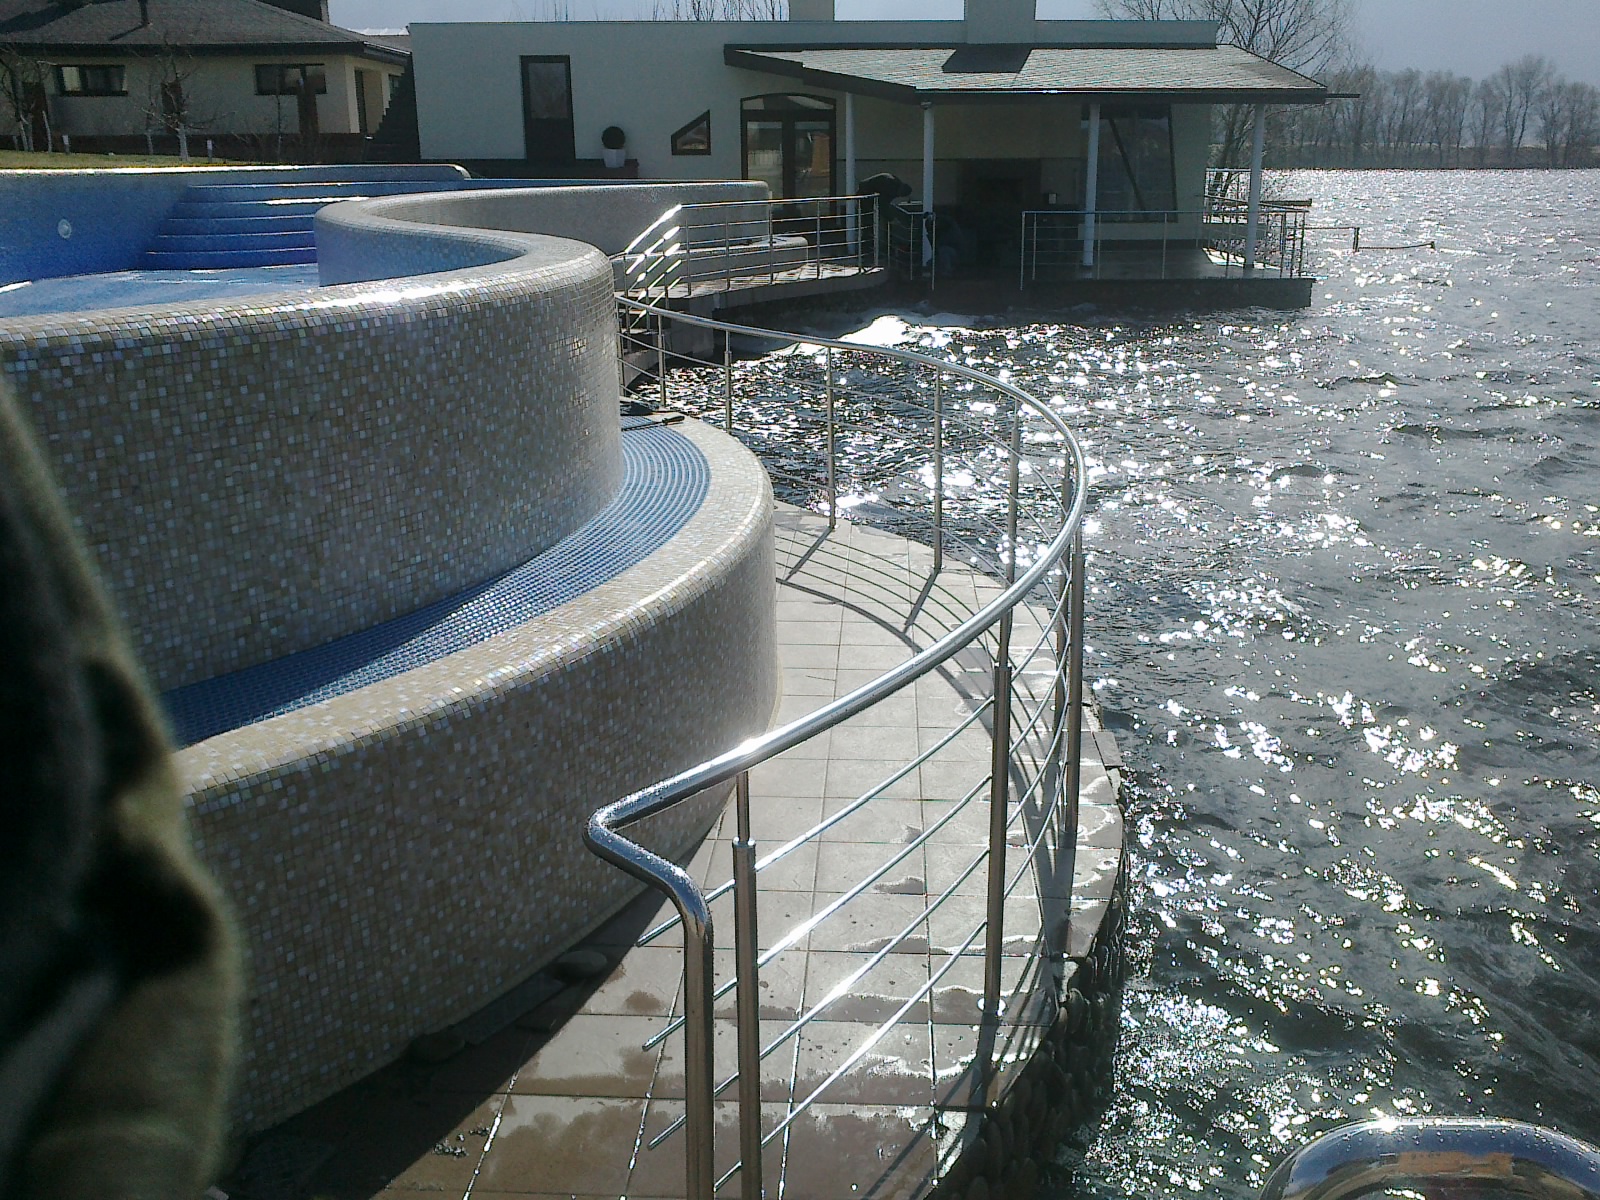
point(788, 144)
point(547, 108)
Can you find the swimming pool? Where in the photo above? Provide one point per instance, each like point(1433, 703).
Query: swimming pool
point(140, 289)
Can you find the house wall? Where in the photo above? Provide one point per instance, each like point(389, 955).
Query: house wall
point(653, 77)
point(222, 97)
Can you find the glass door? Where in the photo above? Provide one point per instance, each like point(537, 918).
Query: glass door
point(788, 144)
point(547, 108)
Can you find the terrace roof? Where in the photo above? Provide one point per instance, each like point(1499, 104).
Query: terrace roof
point(916, 74)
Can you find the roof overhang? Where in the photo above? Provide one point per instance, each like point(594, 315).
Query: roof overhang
point(93, 50)
point(968, 74)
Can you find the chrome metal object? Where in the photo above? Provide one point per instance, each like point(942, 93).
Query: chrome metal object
point(1430, 1154)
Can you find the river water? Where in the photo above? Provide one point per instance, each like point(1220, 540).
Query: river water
point(1345, 616)
point(1345, 619)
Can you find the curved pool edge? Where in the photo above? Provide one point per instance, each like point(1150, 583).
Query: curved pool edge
point(401, 855)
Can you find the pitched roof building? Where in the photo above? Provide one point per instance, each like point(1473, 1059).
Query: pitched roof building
point(118, 74)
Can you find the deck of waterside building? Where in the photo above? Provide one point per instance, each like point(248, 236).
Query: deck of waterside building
point(894, 1086)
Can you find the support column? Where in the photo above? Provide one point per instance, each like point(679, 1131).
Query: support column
point(1091, 183)
point(850, 180)
point(927, 157)
point(853, 225)
point(1252, 224)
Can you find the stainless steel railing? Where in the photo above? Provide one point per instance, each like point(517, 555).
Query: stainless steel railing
point(1177, 244)
point(695, 249)
point(1012, 637)
point(1430, 1155)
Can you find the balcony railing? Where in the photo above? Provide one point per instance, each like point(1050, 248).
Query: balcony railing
point(995, 600)
point(1209, 243)
point(696, 249)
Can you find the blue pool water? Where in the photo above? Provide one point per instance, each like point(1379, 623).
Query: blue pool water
point(140, 289)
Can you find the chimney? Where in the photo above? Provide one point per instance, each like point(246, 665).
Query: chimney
point(317, 10)
point(811, 10)
point(1009, 21)
point(144, 13)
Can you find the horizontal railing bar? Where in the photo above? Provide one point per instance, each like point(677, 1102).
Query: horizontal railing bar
point(842, 987)
point(828, 822)
point(797, 932)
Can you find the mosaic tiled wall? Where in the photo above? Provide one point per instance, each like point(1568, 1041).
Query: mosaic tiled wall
point(402, 855)
point(264, 476)
point(260, 477)
point(363, 240)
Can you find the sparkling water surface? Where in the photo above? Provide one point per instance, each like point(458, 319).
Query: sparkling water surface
point(1345, 619)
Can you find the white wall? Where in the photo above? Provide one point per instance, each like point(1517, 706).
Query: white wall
point(653, 77)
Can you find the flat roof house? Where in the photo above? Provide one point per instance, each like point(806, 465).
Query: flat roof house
point(989, 118)
point(261, 78)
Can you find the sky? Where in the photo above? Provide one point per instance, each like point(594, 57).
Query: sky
point(1472, 37)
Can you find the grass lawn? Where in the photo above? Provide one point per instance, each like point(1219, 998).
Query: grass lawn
point(19, 160)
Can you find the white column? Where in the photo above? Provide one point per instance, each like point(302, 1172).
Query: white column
point(849, 144)
point(853, 224)
point(927, 157)
point(1252, 224)
point(1091, 183)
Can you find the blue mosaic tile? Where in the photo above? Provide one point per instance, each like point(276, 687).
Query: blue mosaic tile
point(664, 482)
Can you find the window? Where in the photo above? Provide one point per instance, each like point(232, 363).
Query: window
point(547, 108)
point(695, 137)
point(1136, 169)
point(788, 144)
point(92, 81)
point(291, 79)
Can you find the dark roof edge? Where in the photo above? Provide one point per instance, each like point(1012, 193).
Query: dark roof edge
point(793, 47)
point(353, 48)
point(737, 56)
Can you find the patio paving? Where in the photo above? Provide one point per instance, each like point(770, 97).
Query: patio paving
point(565, 1095)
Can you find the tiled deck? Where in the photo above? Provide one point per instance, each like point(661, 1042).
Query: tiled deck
point(564, 1099)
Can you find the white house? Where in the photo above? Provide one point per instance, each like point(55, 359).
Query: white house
point(991, 115)
point(246, 73)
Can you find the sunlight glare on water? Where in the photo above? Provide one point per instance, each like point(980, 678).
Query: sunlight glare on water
point(1344, 593)
point(1343, 617)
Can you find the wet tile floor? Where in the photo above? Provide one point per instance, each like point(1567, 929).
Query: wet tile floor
point(563, 1090)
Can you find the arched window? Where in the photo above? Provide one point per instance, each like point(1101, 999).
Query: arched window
point(788, 142)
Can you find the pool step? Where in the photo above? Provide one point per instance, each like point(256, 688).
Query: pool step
point(215, 260)
point(258, 224)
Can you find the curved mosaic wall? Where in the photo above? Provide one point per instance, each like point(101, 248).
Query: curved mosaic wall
point(263, 478)
point(258, 477)
point(424, 847)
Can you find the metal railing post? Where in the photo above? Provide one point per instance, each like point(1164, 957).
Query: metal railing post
point(833, 475)
point(938, 471)
point(727, 382)
point(819, 239)
point(1075, 689)
point(661, 358)
point(749, 995)
point(1063, 671)
point(1000, 747)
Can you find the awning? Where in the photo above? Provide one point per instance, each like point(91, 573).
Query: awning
point(976, 73)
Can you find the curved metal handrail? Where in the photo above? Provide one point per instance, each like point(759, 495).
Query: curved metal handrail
point(604, 833)
point(721, 769)
point(1414, 1152)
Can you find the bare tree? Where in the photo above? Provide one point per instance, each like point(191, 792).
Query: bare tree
point(1305, 35)
point(1484, 117)
point(719, 10)
point(22, 90)
point(1520, 84)
point(1445, 100)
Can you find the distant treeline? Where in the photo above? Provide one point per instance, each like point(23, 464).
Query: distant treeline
point(1524, 115)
